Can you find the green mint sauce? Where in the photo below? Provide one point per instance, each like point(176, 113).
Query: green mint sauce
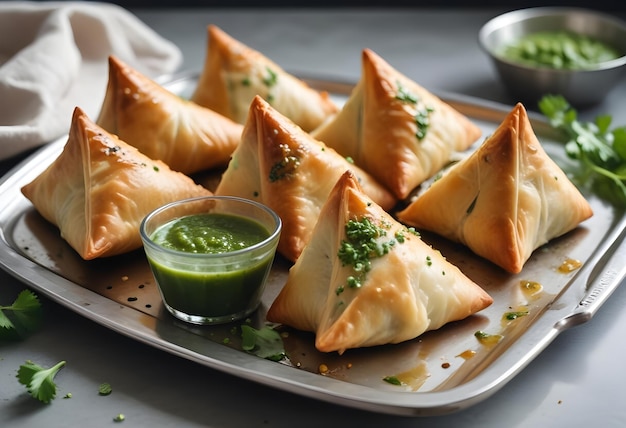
point(559, 50)
point(211, 294)
point(210, 233)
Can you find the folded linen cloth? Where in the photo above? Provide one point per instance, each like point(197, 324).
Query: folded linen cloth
point(54, 57)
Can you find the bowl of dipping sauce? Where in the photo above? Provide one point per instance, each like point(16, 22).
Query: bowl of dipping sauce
point(211, 256)
point(574, 52)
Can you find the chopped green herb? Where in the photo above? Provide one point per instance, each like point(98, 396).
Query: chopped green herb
point(404, 95)
point(68, 395)
point(486, 338)
point(422, 115)
point(39, 380)
point(265, 342)
point(363, 243)
point(22, 317)
point(514, 315)
point(271, 78)
point(422, 120)
point(481, 334)
point(105, 389)
point(119, 418)
point(559, 50)
point(599, 150)
point(393, 380)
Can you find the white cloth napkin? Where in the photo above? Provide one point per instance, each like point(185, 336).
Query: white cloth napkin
point(54, 57)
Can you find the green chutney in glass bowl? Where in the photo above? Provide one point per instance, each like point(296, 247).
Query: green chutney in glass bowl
point(211, 256)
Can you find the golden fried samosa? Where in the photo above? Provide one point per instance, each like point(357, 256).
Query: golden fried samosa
point(364, 279)
point(186, 136)
point(503, 201)
point(233, 74)
point(395, 129)
point(99, 189)
point(280, 165)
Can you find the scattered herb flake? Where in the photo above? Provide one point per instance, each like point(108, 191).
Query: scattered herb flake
point(393, 380)
point(271, 78)
point(422, 120)
point(404, 95)
point(486, 338)
point(514, 315)
point(105, 389)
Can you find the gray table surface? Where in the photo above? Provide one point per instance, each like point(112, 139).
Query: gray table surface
point(577, 381)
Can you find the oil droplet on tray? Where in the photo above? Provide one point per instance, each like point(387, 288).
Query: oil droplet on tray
point(415, 377)
point(569, 265)
point(488, 340)
point(467, 354)
point(530, 288)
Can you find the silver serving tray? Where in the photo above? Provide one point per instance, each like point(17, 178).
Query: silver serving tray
point(443, 371)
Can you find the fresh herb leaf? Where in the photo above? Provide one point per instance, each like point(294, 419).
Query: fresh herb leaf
point(39, 380)
point(22, 317)
point(265, 343)
point(599, 150)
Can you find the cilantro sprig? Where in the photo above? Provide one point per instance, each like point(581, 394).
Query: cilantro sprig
point(22, 317)
point(599, 150)
point(39, 380)
point(265, 342)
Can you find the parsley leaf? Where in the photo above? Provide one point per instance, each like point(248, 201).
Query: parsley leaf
point(599, 150)
point(22, 317)
point(265, 343)
point(39, 380)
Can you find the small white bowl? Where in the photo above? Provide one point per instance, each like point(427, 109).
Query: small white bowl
point(529, 83)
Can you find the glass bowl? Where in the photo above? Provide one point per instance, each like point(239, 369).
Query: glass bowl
point(210, 256)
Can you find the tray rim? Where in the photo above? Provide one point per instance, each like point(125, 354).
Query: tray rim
point(600, 276)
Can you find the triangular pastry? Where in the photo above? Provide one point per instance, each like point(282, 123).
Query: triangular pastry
point(186, 136)
point(504, 200)
point(280, 165)
point(395, 129)
point(99, 189)
point(408, 289)
point(233, 74)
